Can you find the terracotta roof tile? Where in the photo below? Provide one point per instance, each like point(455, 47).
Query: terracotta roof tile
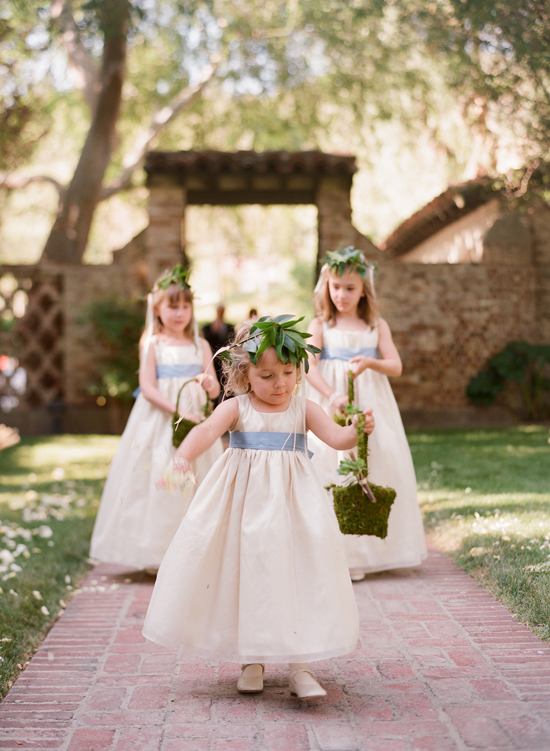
point(455, 202)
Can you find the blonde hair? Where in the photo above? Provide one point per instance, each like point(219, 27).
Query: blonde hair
point(368, 308)
point(235, 370)
point(173, 293)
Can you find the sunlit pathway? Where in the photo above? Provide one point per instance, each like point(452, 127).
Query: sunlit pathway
point(441, 666)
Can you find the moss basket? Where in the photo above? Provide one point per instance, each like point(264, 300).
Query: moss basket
point(357, 513)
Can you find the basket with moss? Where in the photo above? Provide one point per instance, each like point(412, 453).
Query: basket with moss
point(361, 508)
point(346, 416)
point(181, 426)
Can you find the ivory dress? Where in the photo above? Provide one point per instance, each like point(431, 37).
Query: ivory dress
point(136, 520)
point(390, 461)
point(257, 570)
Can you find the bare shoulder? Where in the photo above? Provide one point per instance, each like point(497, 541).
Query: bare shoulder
point(206, 348)
point(315, 326)
point(228, 408)
point(383, 326)
point(313, 410)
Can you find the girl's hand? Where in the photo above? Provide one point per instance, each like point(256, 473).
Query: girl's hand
point(206, 381)
point(190, 416)
point(180, 464)
point(338, 401)
point(178, 476)
point(369, 421)
point(359, 364)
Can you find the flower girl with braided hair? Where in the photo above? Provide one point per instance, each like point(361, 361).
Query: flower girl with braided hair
point(352, 335)
point(136, 519)
point(257, 571)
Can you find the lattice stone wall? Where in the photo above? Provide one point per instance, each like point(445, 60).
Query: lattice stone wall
point(33, 328)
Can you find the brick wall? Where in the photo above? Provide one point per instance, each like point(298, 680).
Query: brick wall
point(447, 320)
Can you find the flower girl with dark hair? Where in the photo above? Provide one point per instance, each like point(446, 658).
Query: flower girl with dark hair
point(257, 571)
point(137, 519)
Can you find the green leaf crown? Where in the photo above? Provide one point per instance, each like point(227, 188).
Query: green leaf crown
point(349, 258)
point(279, 332)
point(179, 275)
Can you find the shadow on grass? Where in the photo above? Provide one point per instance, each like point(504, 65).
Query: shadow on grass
point(512, 460)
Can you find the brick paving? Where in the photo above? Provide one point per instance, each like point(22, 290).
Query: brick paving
point(441, 666)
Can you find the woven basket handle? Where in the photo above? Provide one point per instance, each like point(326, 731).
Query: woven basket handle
point(351, 387)
point(362, 440)
point(179, 392)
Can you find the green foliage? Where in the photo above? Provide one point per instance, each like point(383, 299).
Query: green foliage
point(361, 508)
point(527, 366)
point(349, 258)
point(279, 332)
point(179, 275)
point(25, 101)
point(345, 417)
point(117, 325)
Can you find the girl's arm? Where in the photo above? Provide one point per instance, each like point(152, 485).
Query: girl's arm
point(338, 401)
point(390, 362)
point(208, 379)
point(200, 439)
point(335, 436)
point(148, 381)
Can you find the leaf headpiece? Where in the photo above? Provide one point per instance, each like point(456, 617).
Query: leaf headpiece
point(179, 275)
point(279, 332)
point(352, 258)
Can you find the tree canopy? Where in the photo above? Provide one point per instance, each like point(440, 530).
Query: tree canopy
point(276, 74)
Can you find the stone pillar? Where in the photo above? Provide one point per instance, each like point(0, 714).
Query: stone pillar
point(334, 224)
point(334, 214)
point(165, 238)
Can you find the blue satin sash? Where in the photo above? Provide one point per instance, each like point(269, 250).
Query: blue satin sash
point(266, 441)
point(346, 353)
point(177, 370)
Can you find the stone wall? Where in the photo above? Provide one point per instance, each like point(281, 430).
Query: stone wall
point(539, 225)
point(448, 320)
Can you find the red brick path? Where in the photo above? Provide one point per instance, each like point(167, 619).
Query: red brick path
point(441, 666)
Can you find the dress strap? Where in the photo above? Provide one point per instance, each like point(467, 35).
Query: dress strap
point(346, 353)
point(266, 441)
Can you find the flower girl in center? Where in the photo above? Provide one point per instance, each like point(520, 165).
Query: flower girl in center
point(257, 570)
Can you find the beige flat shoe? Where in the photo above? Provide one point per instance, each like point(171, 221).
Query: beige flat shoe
point(303, 685)
point(356, 575)
point(252, 678)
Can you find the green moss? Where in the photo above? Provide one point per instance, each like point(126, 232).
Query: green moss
point(358, 514)
point(344, 418)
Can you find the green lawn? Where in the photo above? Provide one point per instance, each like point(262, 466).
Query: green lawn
point(49, 493)
point(485, 495)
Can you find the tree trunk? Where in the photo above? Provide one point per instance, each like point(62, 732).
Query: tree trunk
point(69, 234)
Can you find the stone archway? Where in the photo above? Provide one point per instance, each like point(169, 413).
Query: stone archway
point(190, 178)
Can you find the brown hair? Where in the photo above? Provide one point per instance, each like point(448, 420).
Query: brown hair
point(173, 292)
point(367, 308)
point(235, 370)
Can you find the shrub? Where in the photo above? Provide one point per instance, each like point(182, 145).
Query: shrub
point(117, 325)
point(523, 366)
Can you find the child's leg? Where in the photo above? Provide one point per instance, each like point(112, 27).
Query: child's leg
point(252, 678)
point(302, 682)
